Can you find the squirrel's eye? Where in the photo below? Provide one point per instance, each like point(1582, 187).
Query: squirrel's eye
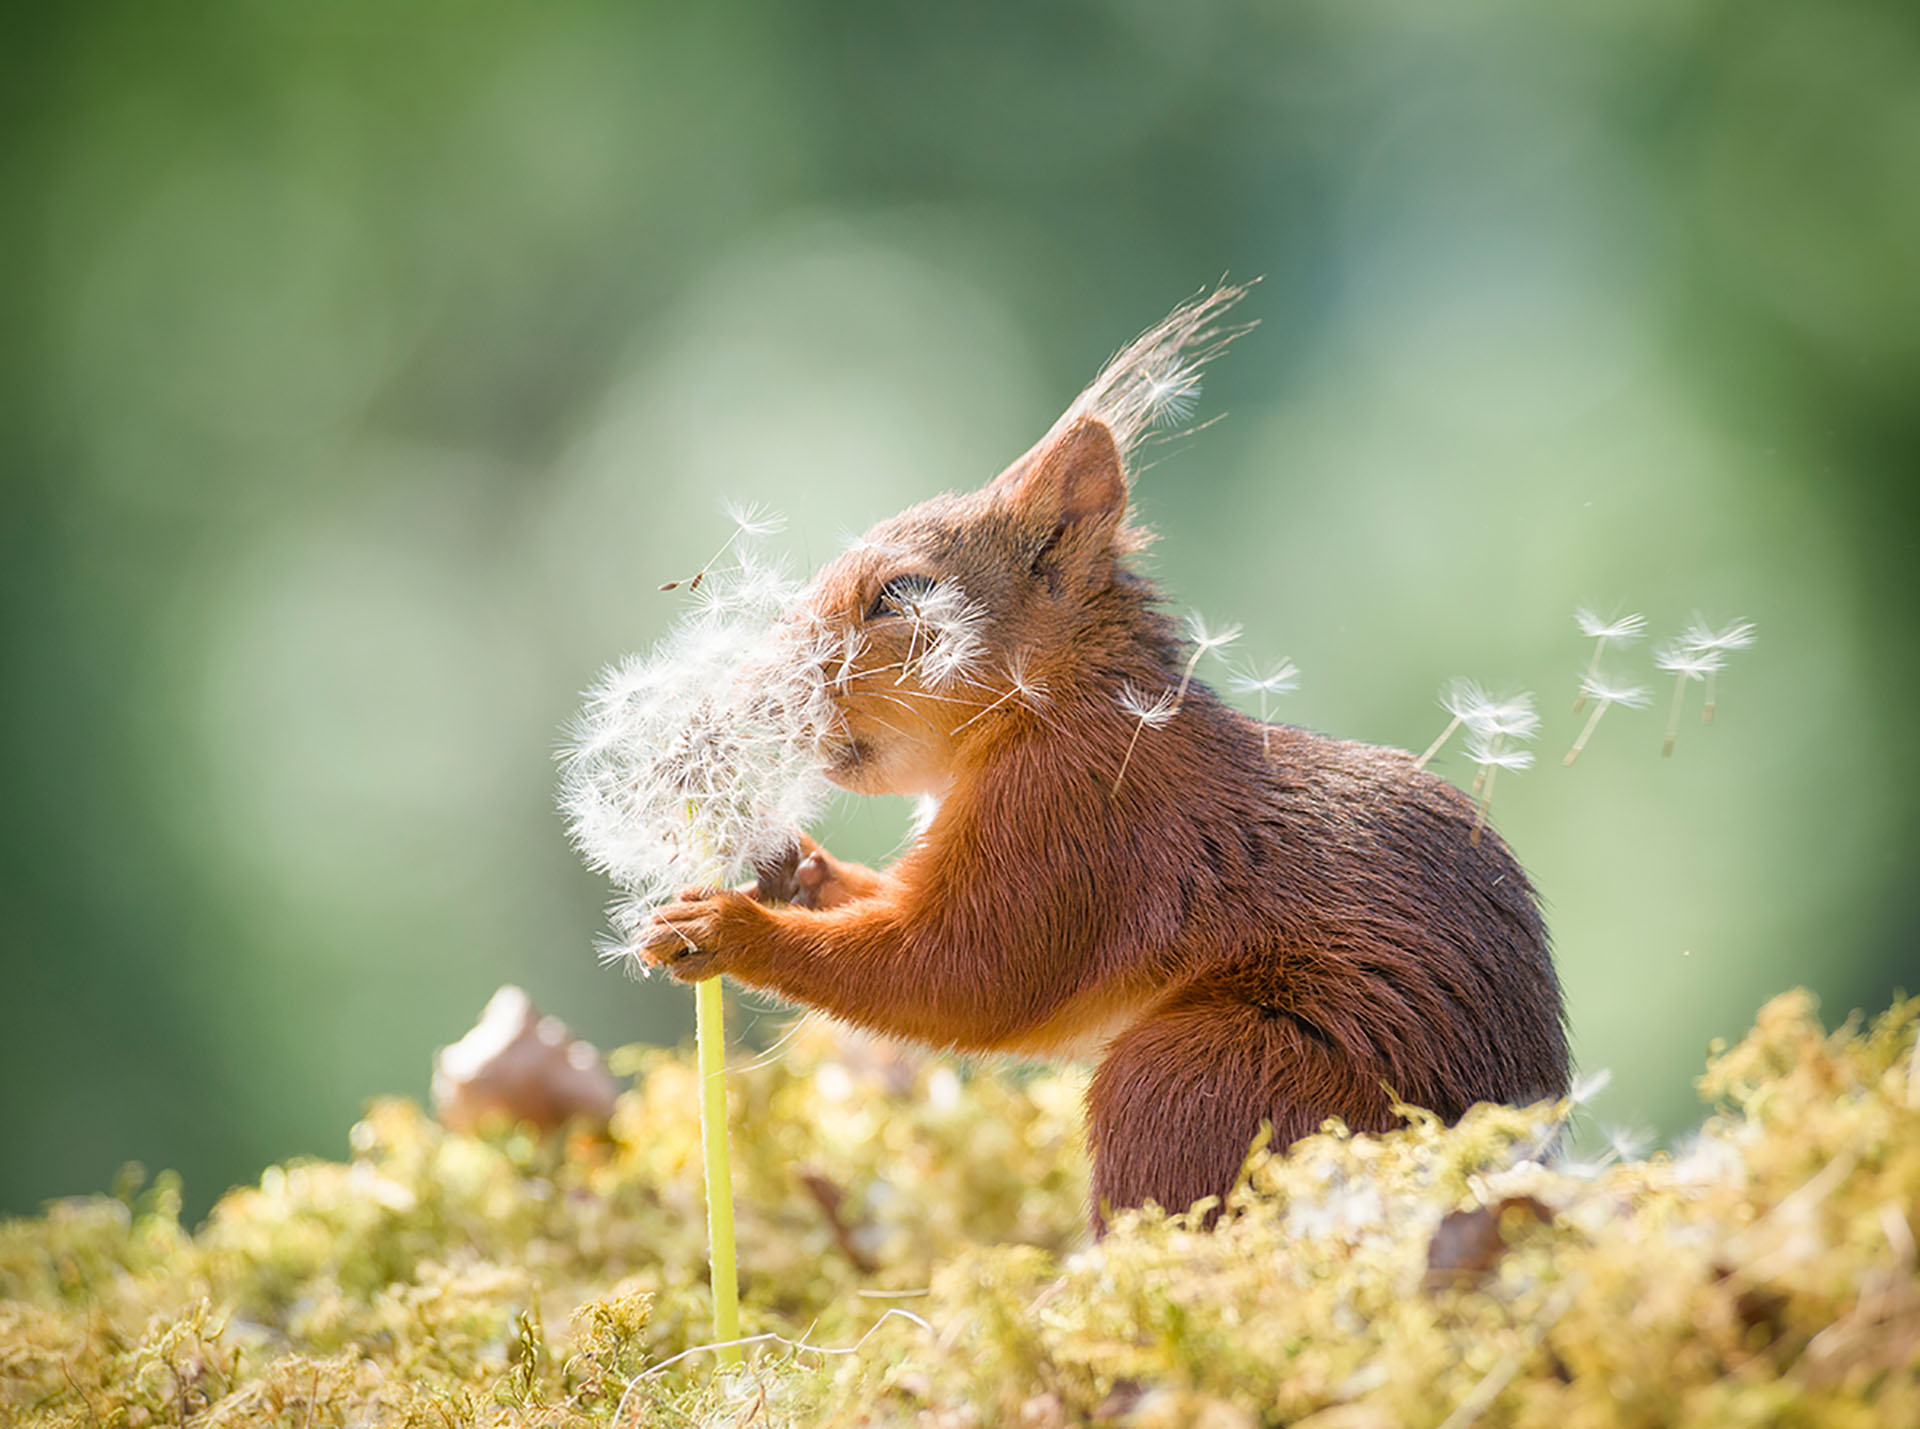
point(899, 596)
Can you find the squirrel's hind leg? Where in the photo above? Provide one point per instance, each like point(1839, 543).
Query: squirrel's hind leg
point(1179, 1098)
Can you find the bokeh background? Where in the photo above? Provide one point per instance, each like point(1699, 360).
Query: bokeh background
point(368, 366)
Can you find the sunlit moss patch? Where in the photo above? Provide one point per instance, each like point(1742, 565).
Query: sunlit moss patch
point(913, 1252)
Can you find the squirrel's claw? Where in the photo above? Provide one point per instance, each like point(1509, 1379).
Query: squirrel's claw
point(696, 937)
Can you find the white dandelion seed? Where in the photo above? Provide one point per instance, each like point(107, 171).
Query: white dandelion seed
point(1152, 711)
point(754, 520)
point(700, 760)
point(1282, 679)
point(1605, 691)
point(749, 521)
point(1170, 396)
point(1207, 639)
point(1684, 663)
point(1513, 717)
point(1131, 700)
point(1622, 630)
point(1493, 750)
point(1023, 687)
point(1735, 635)
point(1148, 712)
point(945, 644)
point(1467, 703)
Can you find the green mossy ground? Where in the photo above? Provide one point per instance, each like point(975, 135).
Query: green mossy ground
point(1764, 1276)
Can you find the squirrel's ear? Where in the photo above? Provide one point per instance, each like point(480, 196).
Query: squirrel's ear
point(1073, 479)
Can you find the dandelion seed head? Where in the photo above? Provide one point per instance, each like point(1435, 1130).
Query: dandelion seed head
point(1677, 657)
point(1282, 679)
point(1623, 630)
point(702, 758)
point(1735, 635)
point(1150, 710)
point(1602, 686)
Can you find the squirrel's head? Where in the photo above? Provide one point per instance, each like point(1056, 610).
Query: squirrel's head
point(940, 626)
point(959, 609)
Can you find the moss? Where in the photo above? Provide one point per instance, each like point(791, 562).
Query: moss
point(1764, 1275)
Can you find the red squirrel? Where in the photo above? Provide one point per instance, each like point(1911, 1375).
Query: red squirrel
point(1244, 923)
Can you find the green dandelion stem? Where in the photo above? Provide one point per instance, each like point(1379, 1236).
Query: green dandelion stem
point(710, 1038)
point(710, 1046)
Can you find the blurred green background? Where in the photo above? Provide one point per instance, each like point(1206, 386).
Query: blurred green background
point(367, 366)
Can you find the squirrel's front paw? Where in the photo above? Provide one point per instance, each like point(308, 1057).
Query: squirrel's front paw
point(700, 937)
point(807, 876)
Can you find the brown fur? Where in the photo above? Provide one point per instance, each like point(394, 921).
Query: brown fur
point(1257, 925)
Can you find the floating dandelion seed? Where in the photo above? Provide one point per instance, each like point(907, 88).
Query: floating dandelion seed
point(1023, 687)
point(1685, 663)
point(748, 520)
point(1170, 396)
point(1492, 750)
point(1154, 711)
point(1282, 679)
point(1204, 642)
point(1466, 702)
point(1736, 635)
point(1146, 711)
point(1605, 691)
point(1495, 725)
point(1623, 630)
point(1166, 705)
